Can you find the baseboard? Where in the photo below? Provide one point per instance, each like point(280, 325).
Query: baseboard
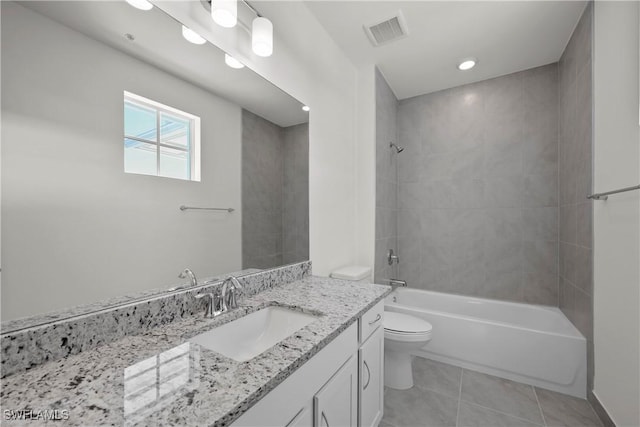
point(600, 411)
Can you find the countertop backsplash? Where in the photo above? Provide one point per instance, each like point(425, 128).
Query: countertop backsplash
point(55, 336)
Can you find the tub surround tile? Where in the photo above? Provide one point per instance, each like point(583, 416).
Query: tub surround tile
point(562, 410)
point(93, 385)
point(501, 395)
point(388, 198)
point(486, 185)
point(470, 415)
point(575, 170)
point(46, 338)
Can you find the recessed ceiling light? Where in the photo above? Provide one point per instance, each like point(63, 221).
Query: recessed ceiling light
point(305, 108)
point(192, 36)
point(232, 62)
point(467, 64)
point(140, 4)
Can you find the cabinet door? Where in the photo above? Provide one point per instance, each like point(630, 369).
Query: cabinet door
point(336, 404)
point(303, 418)
point(371, 387)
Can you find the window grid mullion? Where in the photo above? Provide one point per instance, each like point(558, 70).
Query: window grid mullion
point(159, 111)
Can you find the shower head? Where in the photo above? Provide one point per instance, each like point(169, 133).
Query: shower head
point(398, 149)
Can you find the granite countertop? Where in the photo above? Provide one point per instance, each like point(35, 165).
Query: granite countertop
point(157, 378)
point(86, 309)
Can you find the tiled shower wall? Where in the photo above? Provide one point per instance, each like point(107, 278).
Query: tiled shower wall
point(275, 193)
point(386, 180)
point(295, 216)
point(575, 141)
point(478, 180)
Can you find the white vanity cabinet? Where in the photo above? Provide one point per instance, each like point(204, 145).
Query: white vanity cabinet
point(371, 385)
point(337, 403)
point(341, 386)
point(371, 365)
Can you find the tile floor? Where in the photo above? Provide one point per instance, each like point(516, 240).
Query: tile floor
point(447, 396)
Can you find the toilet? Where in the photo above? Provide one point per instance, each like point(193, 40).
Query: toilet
point(403, 334)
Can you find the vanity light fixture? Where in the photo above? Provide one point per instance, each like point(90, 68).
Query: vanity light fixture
point(232, 62)
point(192, 36)
point(140, 4)
point(225, 12)
point(262, 36)
point(305, 108)
point(467, 64)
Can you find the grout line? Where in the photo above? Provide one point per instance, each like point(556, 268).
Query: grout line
point(503, 413)
point(539, 406)
point(459, 396)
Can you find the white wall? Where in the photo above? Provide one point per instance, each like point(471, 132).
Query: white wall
point(366, 166)
point(308, 65)
point(617, 220)
point(75, 227)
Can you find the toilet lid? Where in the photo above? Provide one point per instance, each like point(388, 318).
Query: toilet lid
point(405, 323)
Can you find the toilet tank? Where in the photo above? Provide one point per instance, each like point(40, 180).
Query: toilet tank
point(354, 273)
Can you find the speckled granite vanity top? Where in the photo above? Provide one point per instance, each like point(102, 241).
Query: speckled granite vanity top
point(158, 378)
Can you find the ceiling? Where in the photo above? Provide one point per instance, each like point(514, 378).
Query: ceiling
point(505, 36)
point(159, 41)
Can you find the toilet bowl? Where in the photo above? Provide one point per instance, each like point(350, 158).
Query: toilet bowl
point(402, 335)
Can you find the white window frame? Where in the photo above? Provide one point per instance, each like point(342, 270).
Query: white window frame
point(193, 149)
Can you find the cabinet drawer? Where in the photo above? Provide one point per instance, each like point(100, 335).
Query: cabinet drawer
point(371, 320)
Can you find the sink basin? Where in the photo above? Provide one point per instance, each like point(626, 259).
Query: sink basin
point(251, 335)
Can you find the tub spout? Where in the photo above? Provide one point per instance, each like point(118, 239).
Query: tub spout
point(398, 282)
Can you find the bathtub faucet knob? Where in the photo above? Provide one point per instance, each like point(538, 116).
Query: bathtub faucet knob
point(391, 258)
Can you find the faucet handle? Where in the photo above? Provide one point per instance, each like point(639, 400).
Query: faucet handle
point(211, 300)
point(235, 287)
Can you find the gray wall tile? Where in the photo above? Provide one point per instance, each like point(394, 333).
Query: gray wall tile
point(388, 199)
point(480, 172)
point(275, 193)
point(575, 182)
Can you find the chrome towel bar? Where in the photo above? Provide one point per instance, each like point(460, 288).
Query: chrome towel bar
point(604, 196)
point(184, 208)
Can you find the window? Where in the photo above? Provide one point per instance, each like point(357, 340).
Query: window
point(160, 140)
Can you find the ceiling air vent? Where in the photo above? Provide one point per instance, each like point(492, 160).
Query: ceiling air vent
point(394, 28)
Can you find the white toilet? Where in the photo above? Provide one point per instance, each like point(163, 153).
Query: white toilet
point(402, 335)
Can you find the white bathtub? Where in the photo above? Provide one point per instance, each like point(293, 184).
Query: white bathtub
point(531, 344)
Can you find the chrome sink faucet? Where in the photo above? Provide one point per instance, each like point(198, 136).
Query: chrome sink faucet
point(192, 277)
point(230, 288)
point(222, 298)
point(215, 303)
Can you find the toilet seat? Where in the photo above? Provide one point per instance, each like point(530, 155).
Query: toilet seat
point(403, 327)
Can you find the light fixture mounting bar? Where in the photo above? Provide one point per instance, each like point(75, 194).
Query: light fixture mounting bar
point(207, 5)
point(253, 9)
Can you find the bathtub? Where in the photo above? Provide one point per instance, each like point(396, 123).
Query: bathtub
point(531, 344)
